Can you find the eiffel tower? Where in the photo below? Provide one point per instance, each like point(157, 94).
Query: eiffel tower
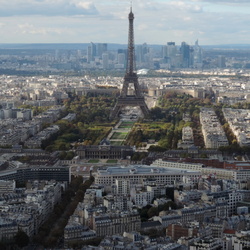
point(130, 78)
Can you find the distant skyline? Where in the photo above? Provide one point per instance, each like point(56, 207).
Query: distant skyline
point(212, 22)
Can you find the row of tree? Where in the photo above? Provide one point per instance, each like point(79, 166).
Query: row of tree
point(90, 126)
point(53, 228)
point(166, 122)
point(233, 147)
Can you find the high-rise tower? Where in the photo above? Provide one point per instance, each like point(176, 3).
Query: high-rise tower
point(130, 78)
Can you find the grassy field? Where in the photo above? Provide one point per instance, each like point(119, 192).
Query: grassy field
point(93, 161)
point(153, 126)
point(119, 135)
point(126, 125)
point(111, 161)
point(116, 143)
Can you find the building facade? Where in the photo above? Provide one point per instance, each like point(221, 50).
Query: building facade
point(104, 151)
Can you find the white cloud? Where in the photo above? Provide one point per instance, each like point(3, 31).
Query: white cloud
point(47, 8)
point(28, 28)
point(156, 21)
point(25, 27)
point(184, 6)
point(85, 5)
point(224, 1)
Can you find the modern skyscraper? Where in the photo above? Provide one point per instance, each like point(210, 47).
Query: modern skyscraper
point(171, 49)
point(169, 54)
point(185, 54)
point(130, 78)
point(105, 61)
point(101, 48)
point(121, 58)
point(198, 55)
point(91, 52)
point(141, 51)
point(221, 61)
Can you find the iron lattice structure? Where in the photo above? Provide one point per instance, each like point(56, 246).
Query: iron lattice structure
point(130, 78)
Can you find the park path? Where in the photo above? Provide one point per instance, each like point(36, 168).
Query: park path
point(118, 133)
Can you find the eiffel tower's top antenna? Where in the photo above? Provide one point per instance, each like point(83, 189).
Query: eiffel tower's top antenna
point(131, 47)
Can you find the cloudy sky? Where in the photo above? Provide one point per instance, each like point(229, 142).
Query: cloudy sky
point(156, 21)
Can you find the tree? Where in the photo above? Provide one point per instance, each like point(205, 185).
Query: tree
point(70, 155)
point(62, 155)
point(153, 211)
point(154, 148)
point(21, 239)
point(169, 204)
point(80, 195)
point(156, 113)
point(203, 155)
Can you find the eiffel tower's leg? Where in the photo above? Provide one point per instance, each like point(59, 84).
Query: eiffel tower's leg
point(124, 91)
point(144, 110)
point(114, 113)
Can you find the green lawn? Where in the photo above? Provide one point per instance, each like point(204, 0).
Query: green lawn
point(127, 125)
point(93, 161)
point(116, 143)
point(111, 161)
point(119, 135)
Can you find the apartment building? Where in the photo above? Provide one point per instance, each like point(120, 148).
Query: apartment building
point(7, 186)
point(214, 135)
point(8, 229)
point(137, 174)
point(238, 120)
point(178, 165)
point(115, 223)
